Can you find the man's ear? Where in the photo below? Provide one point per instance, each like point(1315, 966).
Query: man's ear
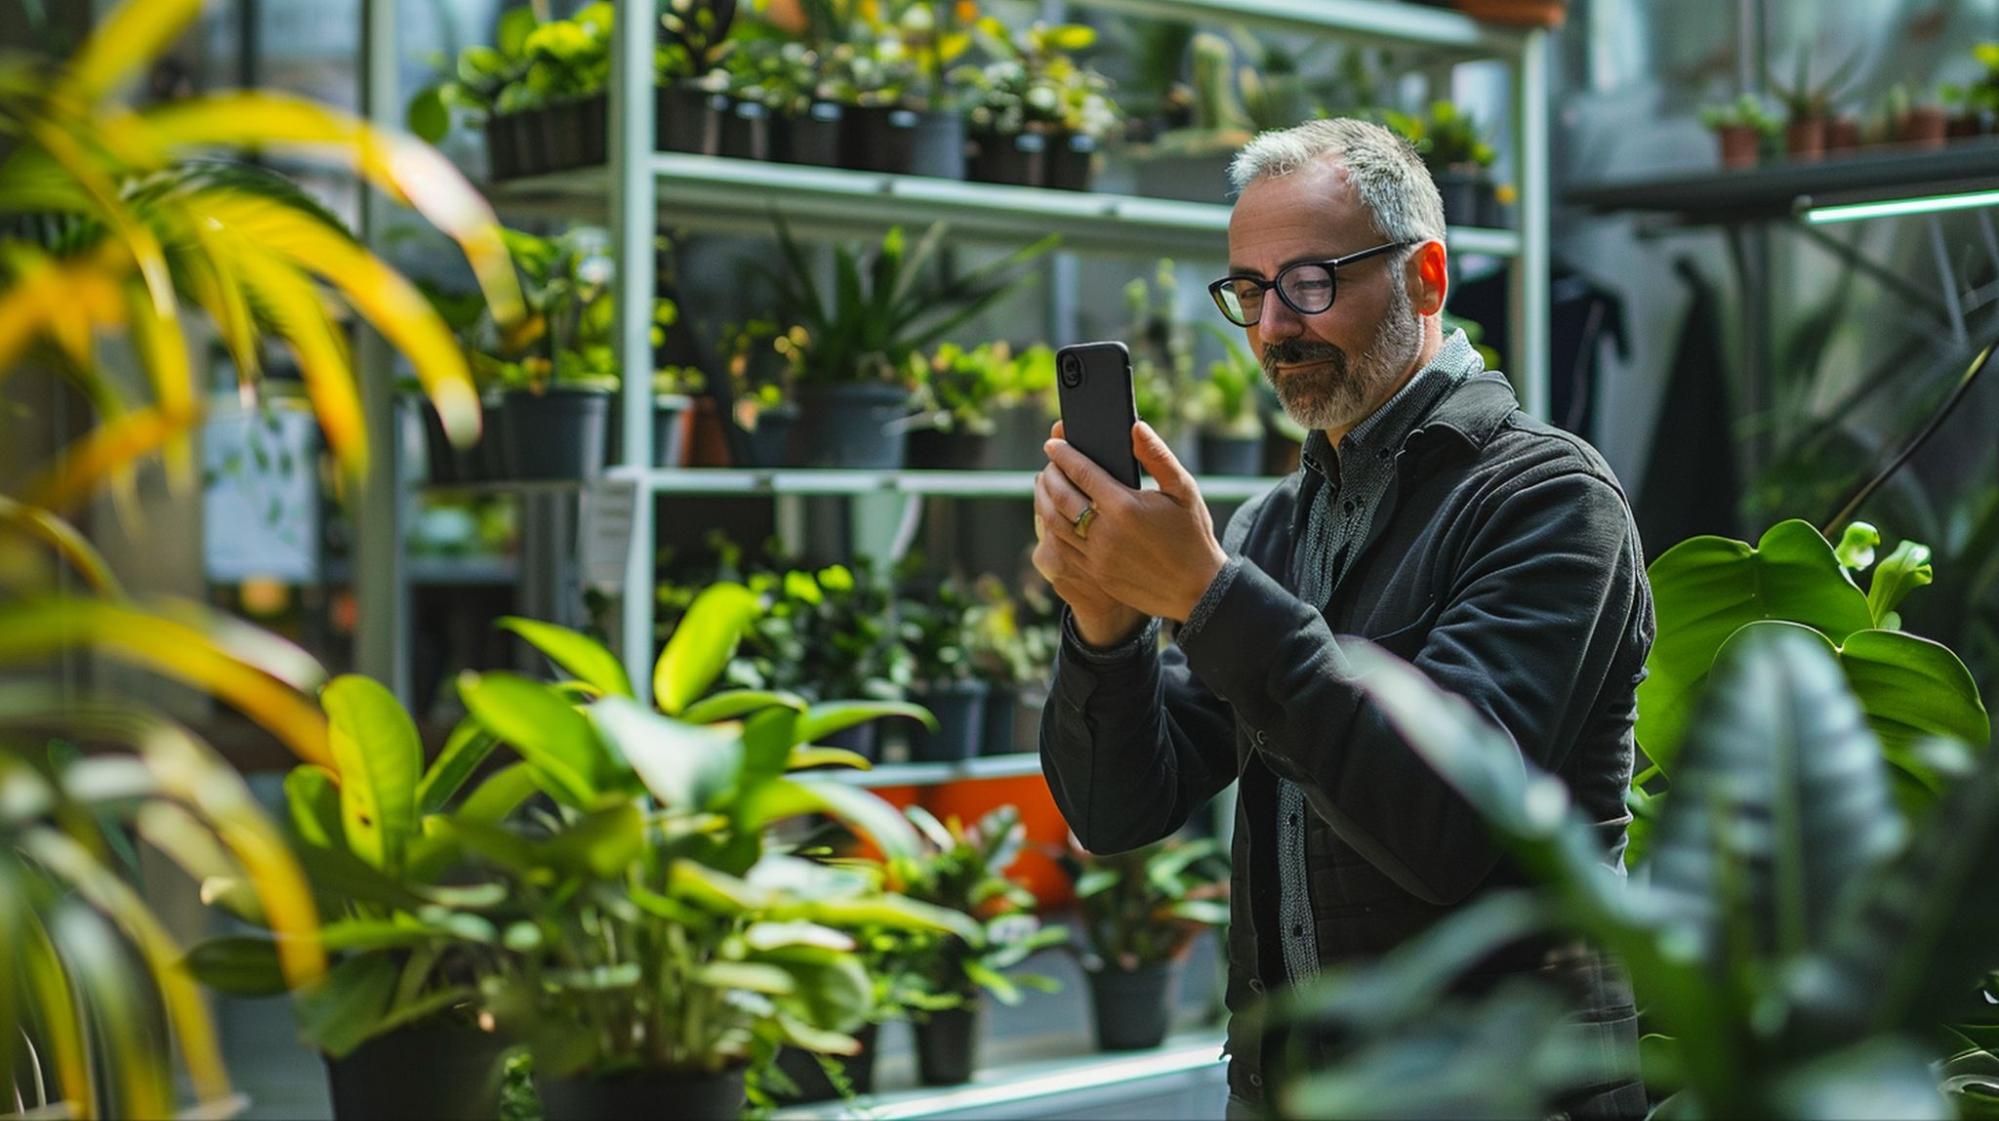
point(1429, 277)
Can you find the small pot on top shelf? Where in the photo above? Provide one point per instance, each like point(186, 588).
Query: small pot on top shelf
point(810, 136)
point(1842, 134)
point(902, 140)
point(557, 432)
point(959, 707)
point(1071, 162)
point(1740, 128)
point(745, 131)
point(1923, 126)
point(1463, 189)
point(503, 148)
point(688, 118)
point(1017, 159)
point(1805, 139)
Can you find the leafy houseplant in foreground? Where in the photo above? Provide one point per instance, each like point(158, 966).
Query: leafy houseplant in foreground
point(671, 945)
point(1141, 911)
point(963, 870)
point(852, 348)
point(1799, 944)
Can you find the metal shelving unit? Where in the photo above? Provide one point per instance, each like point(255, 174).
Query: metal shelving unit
point(640, 188)
point(936, 774)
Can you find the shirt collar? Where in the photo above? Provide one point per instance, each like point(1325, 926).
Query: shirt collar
point(1389, 425)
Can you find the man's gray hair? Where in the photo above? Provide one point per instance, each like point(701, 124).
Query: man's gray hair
point(1383, 168)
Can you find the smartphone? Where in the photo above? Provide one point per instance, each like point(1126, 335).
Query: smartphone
point(1098, 409)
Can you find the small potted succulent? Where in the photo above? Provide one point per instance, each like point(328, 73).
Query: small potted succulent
point(1141, 911)
point(957, 393)
point(1809, 116)
point(886, 64)
point(1231, 418)
point(936, 628)
point(690, 88)
point(1914, 120)
point(1036, 117)
point(964, 870)
point(783, 75)
point(850, 355)
point(1741, 128)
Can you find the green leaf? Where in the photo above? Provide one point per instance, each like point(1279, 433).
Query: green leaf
point(344, 1010)
point(604, 844)
point(716, 892)
point(1208, 912)
point(244, 965)
point(554, 738)
point(732, 703)
point(685, 766)
point(427, 117)
point(1912, 688)
point(859, 809)
point(1856, 546)
point(495, 799)
point(376, 747)
point(702, 644)
point(579, 654)
point(806, 757)
point(1096, 881)
point(1707, 588)
point(516, 25)
point(469, 745)
point(314, 803)
point(822, 720)
point(1905, 570)
point(746, 976)
point(1875, 1078)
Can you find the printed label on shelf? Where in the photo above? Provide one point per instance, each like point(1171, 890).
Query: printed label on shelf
point(604, 529)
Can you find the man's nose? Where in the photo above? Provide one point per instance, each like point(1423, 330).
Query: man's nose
point(1276, 320)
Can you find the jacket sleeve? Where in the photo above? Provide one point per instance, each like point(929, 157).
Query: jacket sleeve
point(1528, 634)
point(1132, 742)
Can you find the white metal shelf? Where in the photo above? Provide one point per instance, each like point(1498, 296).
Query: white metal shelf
point(1379, 22)
point(829, 481)
point(936, 774)
point(715, 193)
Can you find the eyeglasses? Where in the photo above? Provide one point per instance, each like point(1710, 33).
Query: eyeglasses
point(1306, 287)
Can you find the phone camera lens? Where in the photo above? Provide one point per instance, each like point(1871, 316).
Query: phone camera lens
point(1072, 371)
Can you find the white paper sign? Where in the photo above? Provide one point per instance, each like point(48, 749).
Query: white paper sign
point(604, 531)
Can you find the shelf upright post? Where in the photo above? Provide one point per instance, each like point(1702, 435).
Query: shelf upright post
point(634, 217)
point(381, 645)
point(1529, 279)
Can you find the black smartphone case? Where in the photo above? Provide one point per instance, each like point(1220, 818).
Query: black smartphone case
point(1097, 413)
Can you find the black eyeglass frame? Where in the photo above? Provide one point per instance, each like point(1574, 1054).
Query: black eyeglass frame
point(1332, 268)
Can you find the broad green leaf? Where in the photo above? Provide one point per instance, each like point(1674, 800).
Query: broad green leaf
point(427, 117)
point(685, 766)
point(516, 24)
point(768, 739)
point(747, 976)
point(831, 991)
point(702, 645)
point(732, 703)
point(713, 891)
point(1096, 881)
point(822, 720)
point(379, 755)
point(773, 935)
point(860, 809)
point(469, 745)
point(1707, 588)
point(803, 758)
point(893, 912)
point(1905, 570)
point(817, 1040)
point(554, 738)
point(1780, 804)
point(495, 799)
point(603, 844)
point(239, 965)
point(1208, 912)
point(342, 1013)
point(1912, 688)
point(579, 654)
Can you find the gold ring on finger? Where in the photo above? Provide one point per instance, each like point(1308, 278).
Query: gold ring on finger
point(1082, 522)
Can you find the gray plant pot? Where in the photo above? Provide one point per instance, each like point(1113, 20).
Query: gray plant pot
point(556, 435)
point(1017, 159)
point(850, 426)
point(745, 130)
point(1231, 455)
point(1072, 159)
point(688, 119)
point(960, 711)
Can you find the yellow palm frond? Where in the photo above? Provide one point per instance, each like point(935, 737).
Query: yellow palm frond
point(65, 540)
point(291, 303)
point(131, 36)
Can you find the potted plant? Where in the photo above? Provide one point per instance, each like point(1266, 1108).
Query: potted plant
point(669, 947)
point(886, 64)
point(558, 381)
point(936, 628)
point(784, 76)
point(850, 355)
point(957, 393)
point(1457, 154)
point(1231, 418)
point(568, 71)
point(674, 387)
point(1036, 117)
point(1914, 120)
point(478, 77)
point(1809, 108)
point(1162, 362)
point(690, 90)
point(1141, 911)
point(1741, 128)
point(399, 1020)
point(1013, 650)
point(964, 870)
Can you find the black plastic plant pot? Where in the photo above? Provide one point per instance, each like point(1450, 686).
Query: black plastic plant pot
point(861, 739)
point(932, 449)
point(947, 1046)
point(565, 135)
point(879, 138)
point(443, 1070)
point(556, 435)
point(531, 134)
point(940, 145)
point(803, 1068)
point(996, 720)
point(503, 149)
point(1071, 163)
point(1231, 455)
point(594, 119)
point(811, 137)
point(960, 709)
point(1018, 159)
point(669, 431)
point(851, 426)
point(443, 464)
point(1133, 1009)
point(643, 1097)
point(489, 455)
point(688, 119)
point(745, 130)
point(1461, 191)
point(769, 443)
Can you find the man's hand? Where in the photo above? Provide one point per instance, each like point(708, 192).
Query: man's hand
point(1100, 619)
point(1152, 551)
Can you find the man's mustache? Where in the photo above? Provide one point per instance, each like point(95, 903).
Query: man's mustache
point(1300, 352)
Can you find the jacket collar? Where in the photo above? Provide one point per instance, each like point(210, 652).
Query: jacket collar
point(1472, 411)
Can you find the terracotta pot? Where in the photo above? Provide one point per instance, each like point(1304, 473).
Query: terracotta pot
point(1741, 145)
point(1517, 13)
point(1925, 126)
point(707, 438)
point(1804, 140)
point(1842, 134)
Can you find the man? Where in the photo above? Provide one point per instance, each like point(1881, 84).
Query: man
point(1429, 516)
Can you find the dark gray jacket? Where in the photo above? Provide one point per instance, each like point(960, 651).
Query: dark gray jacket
point(1504, 563)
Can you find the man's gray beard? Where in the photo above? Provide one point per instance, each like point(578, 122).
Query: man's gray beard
point(1336, 395)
